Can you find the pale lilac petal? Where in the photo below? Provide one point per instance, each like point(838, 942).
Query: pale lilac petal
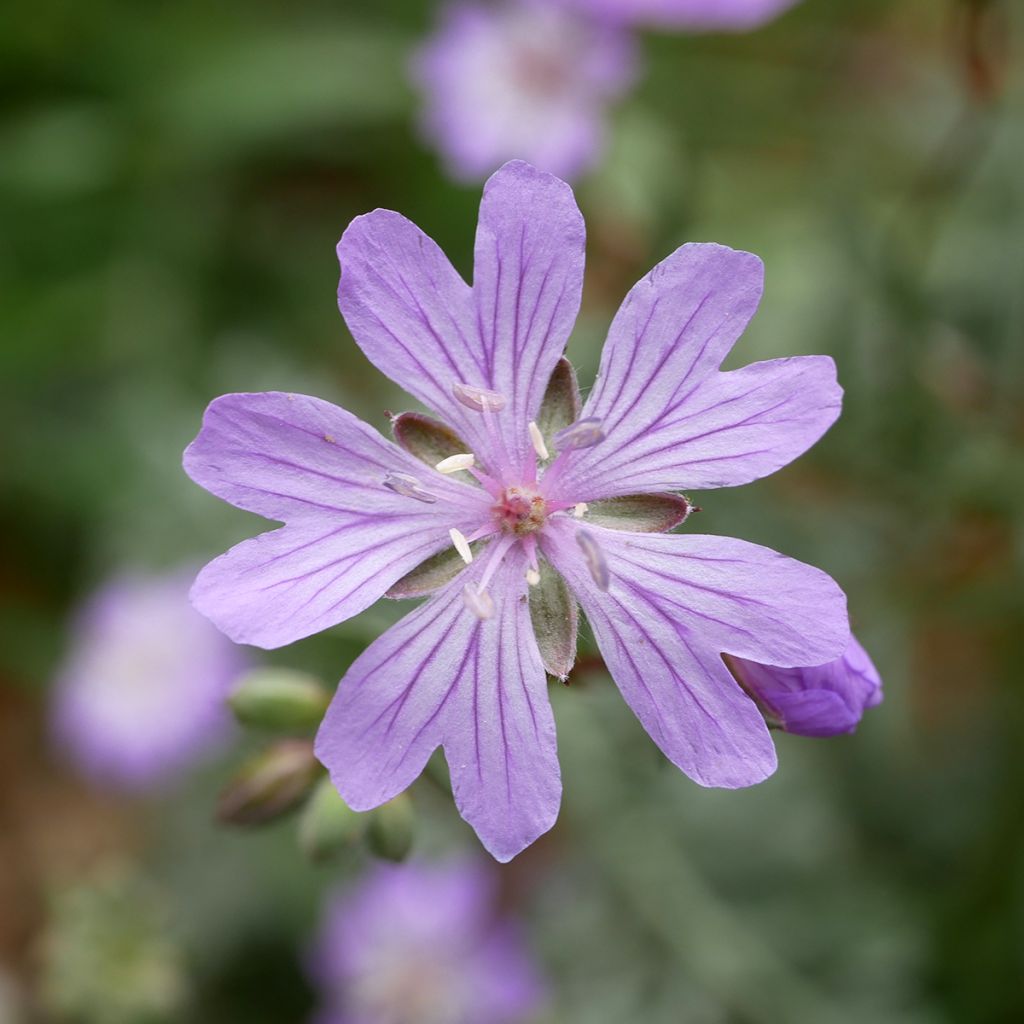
point(675, 604)
point(523, 79)
point(444, 677)
point(671, 419)
point(528, 282)
point(348, 538)
point(693, 15)
point(824, 700)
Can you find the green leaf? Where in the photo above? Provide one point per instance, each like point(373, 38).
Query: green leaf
point(640, 513)
point(555, 618)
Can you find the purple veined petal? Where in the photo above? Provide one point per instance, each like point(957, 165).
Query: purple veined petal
point(442, 676)
point(824, 700)
point(692, 15)
point(349, 536)
point(417, 321)
point(527, 285)
point(676, 603)
point(671, 420)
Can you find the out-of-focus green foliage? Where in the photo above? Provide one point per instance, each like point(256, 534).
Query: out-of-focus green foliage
point(173, 179)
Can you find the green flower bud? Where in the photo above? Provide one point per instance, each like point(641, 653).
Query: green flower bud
point(270, 785)
point(280, 700)
point(392, 829)
point(328, 824)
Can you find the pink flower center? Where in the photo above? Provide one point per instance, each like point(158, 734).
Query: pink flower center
point(520, 511)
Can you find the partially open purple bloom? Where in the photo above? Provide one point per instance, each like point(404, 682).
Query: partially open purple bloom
point(524, 78)
point(693, 15)
point(418, 944)
point(141, 693)
point(825, 700)
point(533, 493)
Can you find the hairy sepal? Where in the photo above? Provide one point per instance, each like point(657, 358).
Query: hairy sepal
point(555, 618)
point(427, 439)
point(641, 513)
point(430, 575)
point(562, 404)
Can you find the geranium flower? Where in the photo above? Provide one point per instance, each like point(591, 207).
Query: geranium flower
point(526, 78)
point(693, 15)
point(423, 944)
point(542, 499)
point(140, 695)
point(824, 700)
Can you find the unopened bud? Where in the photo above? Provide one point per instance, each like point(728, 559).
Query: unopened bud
point(328, 824)
point(270, 785)
point(392, 829)
point(280, 700)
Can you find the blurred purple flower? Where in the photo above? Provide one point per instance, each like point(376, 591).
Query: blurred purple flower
point(141, 693)
point(824, 700)
point(418, 944)
point(520, 79)
point(693, 15)
point(464, 670)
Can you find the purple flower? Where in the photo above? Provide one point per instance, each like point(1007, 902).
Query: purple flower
point(824, 700)
point(141, 692)
point(417, 944)
point(694, 15)
point(545, 491)
point(520, 79)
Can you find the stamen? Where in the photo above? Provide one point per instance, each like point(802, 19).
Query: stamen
point(581, 434)
point(456, 463)
point(532, 577)
point(461, 545)
point(595, 559)
point(538, 441)
point(479, 602)
point(409, 487)
point(478, 399)
point(580, 510)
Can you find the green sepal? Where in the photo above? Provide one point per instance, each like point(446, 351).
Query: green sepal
point(561, 404)
point(270, 785)
point(640, 513)
point(555, 618)
point(279, 700)
point(428, 576)
point(392, 829)
point(328, 824)
point(426, 438)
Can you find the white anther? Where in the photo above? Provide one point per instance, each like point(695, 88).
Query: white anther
point(456, 463)
point(595, 559)
point(532, 577)
point(409, 487)
point(580, 510)
point(581, 434)
point(461, 545)
point(479, 602)
point(479, 399)
point(538, 441)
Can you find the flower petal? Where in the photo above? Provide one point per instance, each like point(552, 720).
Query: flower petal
point(443, 676)
point(824, 700)
point(349, 537)
point(527, 285)
point(671, 420)
point(675, 603)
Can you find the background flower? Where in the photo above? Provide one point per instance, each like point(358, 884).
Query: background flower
point(140, 695)
point(423, 944)
point(693, 15)
point(520, 79)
